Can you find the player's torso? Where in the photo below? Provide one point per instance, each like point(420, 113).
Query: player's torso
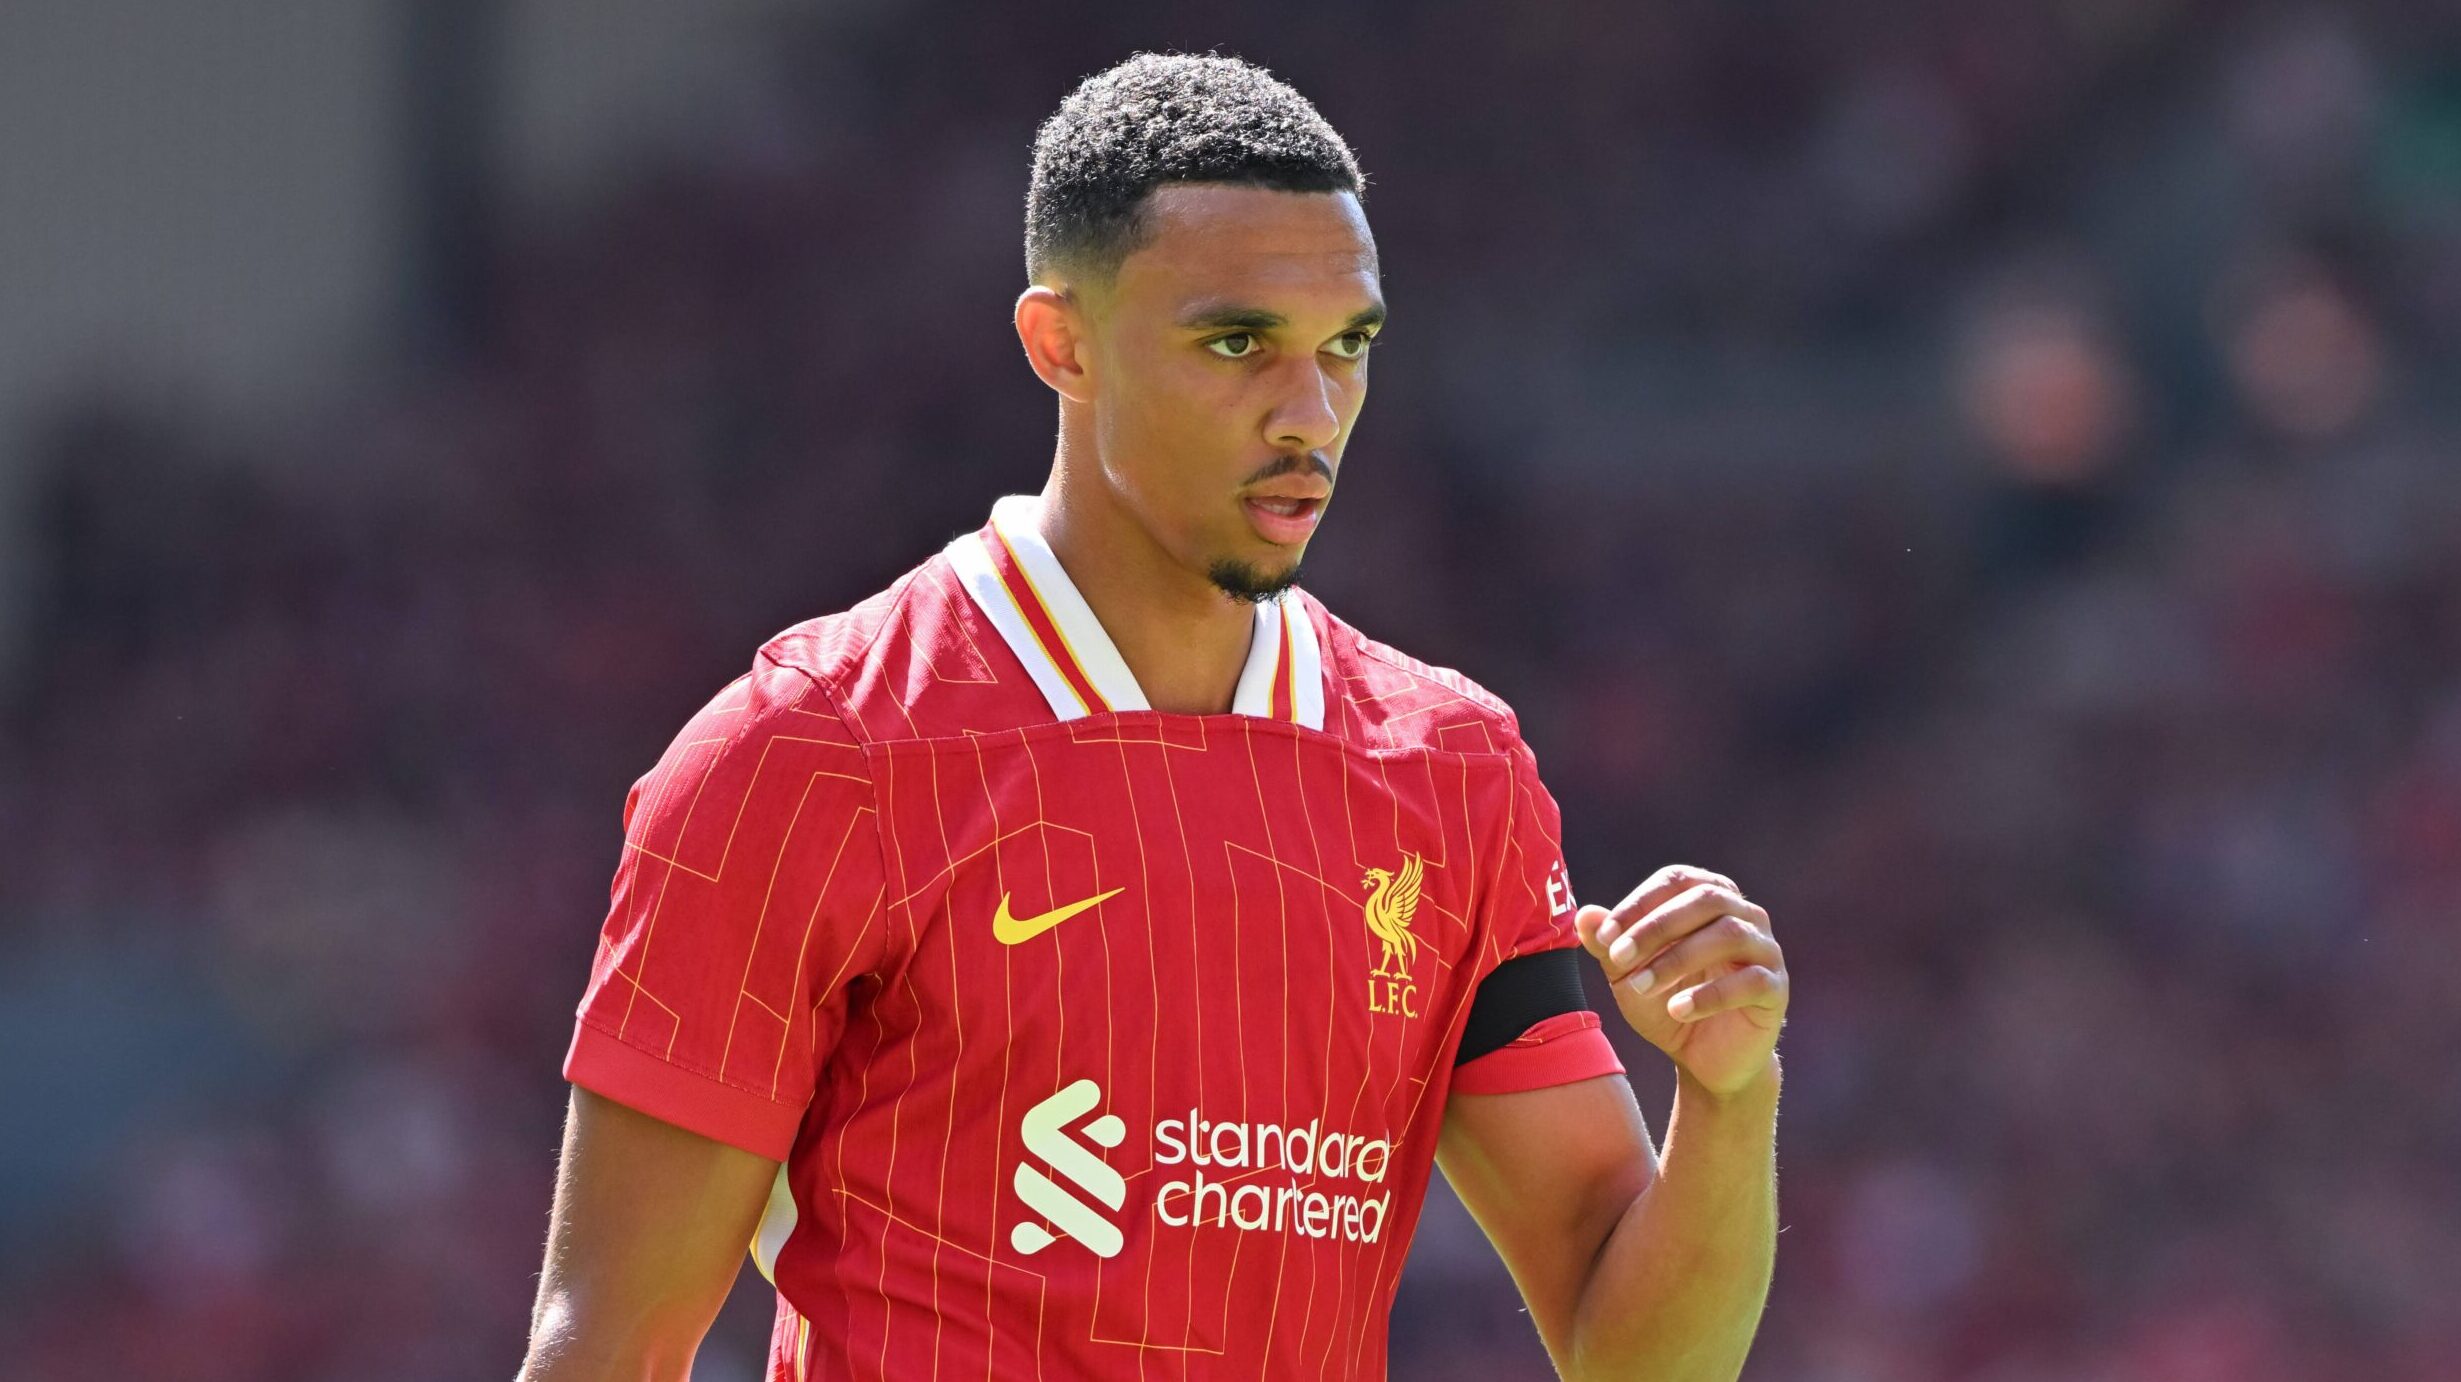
point(1155, 1083)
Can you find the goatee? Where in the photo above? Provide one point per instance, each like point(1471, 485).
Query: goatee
point(1248, 585)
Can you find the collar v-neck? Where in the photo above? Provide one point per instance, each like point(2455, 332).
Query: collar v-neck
point(1017, 581)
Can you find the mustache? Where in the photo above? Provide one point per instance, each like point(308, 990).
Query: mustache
point(1290, 461)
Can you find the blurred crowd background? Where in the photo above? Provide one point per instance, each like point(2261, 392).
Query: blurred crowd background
point(1986, 475)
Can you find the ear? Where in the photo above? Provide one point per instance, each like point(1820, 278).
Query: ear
point(1051, 324)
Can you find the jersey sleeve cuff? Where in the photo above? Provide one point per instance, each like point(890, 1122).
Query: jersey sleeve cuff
point(1557, 1050)
point(606, 1064)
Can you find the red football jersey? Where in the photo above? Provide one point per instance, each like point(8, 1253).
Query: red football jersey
point(1094, 1041)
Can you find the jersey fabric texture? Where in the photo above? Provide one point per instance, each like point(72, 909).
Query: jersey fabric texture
point(1093, 1041)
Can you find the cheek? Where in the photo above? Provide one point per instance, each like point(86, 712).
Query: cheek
point(1147, 439)
point(1171, 416)
point(1355, 395)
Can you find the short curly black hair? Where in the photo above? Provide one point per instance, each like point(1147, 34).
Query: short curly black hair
point(1166, 117)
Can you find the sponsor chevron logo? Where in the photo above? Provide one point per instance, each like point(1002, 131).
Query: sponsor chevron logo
point(1046, 1137)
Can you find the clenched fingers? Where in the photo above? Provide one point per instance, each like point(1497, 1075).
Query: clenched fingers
point(1703, 905)
point(1599, 926)
point(1755, 987)
point(1725, 939)
point(1666, 884)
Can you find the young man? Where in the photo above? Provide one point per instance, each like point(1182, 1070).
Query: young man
point(1072, 961)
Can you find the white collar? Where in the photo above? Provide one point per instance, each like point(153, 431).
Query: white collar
point(1018, 583)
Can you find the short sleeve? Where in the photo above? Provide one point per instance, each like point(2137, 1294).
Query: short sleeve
point(1559, 1040)
point(746, 900)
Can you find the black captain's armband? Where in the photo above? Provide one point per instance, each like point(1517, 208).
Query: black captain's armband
point(1518, 995)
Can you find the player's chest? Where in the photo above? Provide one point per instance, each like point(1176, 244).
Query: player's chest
point(1265, 894)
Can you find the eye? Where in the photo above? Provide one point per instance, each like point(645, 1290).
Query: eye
point(1351, 345)
point(1245, 341)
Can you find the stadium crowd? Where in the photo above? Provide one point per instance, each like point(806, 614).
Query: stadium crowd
point(1983, 476)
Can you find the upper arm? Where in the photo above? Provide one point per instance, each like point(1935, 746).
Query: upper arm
point(1542, 1139)
point(647, 1236)
point(745, 906)
point(1547, 1173)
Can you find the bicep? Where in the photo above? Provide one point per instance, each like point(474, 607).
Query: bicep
point(650, 1227)
point(1547, 1173)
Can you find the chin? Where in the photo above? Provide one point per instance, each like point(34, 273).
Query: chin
point(1253, 581)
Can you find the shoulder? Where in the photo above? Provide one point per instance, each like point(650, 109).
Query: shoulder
point(1384, 697)
point(831, 652)
point(794, 688)
point(899, 664)
point(760, 748)
point(914, 661)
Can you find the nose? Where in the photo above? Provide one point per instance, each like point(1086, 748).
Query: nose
point(1307, 417)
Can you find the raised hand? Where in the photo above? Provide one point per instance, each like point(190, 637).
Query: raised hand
point(1697, 971)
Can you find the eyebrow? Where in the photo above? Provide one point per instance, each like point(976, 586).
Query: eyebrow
point(1232, 317)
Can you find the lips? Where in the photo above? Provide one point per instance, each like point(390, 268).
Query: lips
point(1286, 520)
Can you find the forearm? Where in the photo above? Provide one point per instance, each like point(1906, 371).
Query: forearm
point(565, 1343)
point(1677, 1290)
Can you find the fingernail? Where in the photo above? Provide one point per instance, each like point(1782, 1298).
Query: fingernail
point(1640, 982)
point(1680, 1007)
point(1624, 951)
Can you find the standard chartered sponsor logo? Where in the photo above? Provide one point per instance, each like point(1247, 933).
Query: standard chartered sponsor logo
point(1046, 1136)
point(1347, 1167)
point(1305, 1179)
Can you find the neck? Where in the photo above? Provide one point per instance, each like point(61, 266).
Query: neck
point(1182, 638)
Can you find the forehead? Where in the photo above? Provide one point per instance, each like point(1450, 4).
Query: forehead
point(1249, 244)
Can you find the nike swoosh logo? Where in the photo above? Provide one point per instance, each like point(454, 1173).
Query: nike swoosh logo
point(1018, 930)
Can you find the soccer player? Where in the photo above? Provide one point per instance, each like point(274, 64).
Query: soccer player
point(1072, 961)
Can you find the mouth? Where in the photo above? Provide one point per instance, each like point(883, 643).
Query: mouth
point(1282, 520)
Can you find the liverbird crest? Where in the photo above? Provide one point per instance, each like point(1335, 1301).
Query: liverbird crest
point(1392, 899)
